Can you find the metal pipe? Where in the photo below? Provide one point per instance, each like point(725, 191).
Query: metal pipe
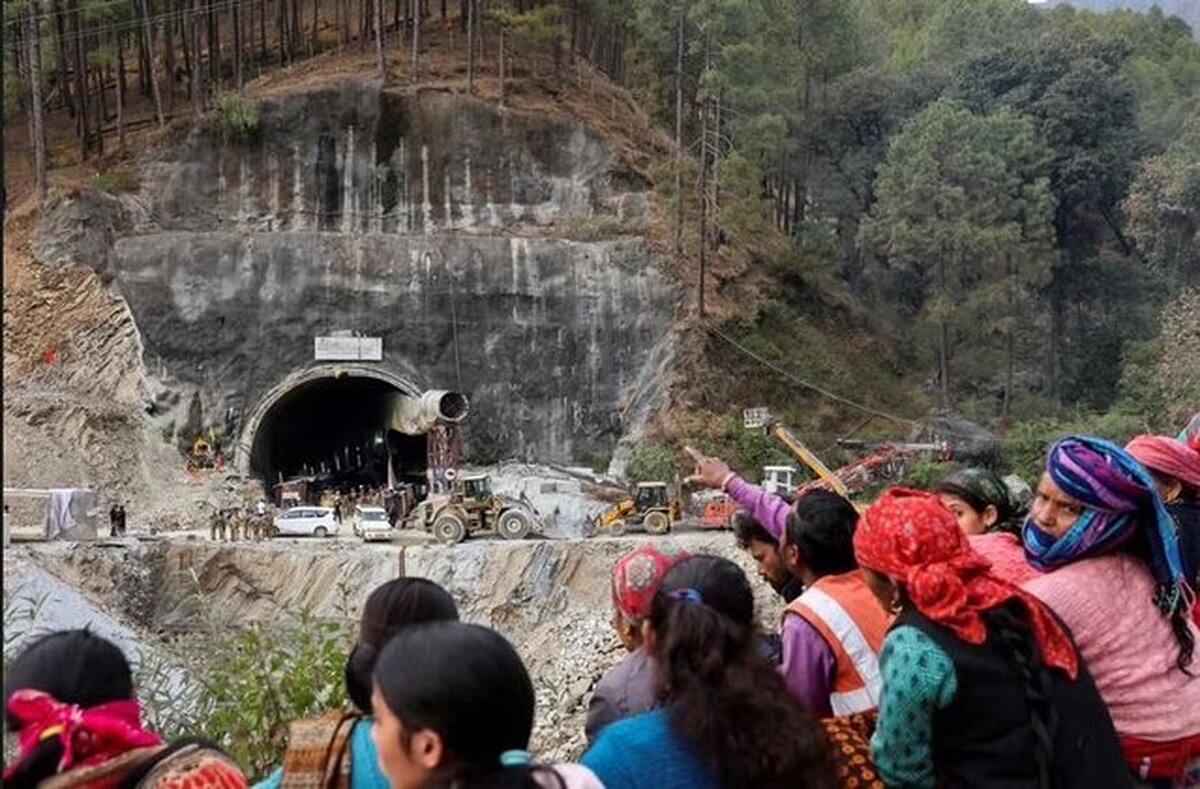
point(416, 415)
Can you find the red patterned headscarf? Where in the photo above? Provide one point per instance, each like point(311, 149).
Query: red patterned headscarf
point(1167, 456)
point(910, 537)
point(635, 578)
point(89, 736)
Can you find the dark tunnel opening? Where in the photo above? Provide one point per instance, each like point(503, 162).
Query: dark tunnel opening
point(333, 431)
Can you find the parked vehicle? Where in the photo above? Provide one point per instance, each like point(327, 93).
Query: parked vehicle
point(305, 521)
point(371, 523)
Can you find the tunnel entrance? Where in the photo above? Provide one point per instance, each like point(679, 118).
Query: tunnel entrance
point(333, 431)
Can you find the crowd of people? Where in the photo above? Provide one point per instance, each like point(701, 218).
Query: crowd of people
point(935, 639)
point(250, 522)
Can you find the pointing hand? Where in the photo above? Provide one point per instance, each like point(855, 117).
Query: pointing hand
point(710, 472)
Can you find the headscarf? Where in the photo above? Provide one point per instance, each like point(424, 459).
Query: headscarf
point(980, 487)
point(1167, 456)
point(1190, 435)
point(89, 736)
point(635, 578)
point(910, 536)
point(1118, 495)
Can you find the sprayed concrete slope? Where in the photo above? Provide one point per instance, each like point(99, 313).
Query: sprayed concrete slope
point(445, 225)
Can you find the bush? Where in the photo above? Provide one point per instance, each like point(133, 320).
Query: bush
point(599, 228)
point(652, 461)
point(237, 118)
point(114, 181)
point(1023, 449)
point(263, 676)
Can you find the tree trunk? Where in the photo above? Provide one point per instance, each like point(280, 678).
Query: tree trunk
point(169, 43)
point(101, 109)
point(503, 91)
point(379, 61)
point(148, 42)
point(471, 47)
point(196, 71)
point(416, 42)
point(295, 30)
point(37, 128)
point(281, 31)
point(235, 14)
point(679, 135)
point(262, 36)
point(121, 89)
point(715, 205)
point(312, 41)
point(80, 80)
point(143, 56)
point(943, 345)
point(60, 35)
point(703, 190)
point(213, 28)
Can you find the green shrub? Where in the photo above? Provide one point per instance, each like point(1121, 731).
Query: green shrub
point(599, 228)
point(114, 181)
point(263, 676)
point(237, 118)
point(652, 461)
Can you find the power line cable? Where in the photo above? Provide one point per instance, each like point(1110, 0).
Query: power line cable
point(866, 409)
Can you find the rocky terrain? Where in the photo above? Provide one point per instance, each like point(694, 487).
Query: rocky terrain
point(550, 597)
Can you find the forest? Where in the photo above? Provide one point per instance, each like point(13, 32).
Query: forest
point(1008, 193)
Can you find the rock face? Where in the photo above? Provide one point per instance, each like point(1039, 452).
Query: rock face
point(439, 223)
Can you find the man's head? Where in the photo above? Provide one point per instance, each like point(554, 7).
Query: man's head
point(819, 538)
point(762, 547)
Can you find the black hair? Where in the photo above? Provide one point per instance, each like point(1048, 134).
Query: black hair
point(75, 667)
point(747, 530)
point(821, 526)
point(981, 488)
point(397, 604)
point(468, 684)
point(1010, 627)
point(721, 694)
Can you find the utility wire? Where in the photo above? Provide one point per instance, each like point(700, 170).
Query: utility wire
point(132, 24)
point(866, 409)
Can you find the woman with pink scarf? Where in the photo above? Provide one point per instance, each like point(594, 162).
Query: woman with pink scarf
point(1175, 466)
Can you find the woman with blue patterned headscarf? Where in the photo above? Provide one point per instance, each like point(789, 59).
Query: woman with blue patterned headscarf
point(1113, 573)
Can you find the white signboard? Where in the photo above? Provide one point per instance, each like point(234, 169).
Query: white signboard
point(348, 349)
point(756, 418)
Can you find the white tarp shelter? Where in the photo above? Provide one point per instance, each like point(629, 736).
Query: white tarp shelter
point(68, 512)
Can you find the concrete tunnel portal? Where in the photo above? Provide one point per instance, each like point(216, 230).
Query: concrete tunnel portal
point(341, 428)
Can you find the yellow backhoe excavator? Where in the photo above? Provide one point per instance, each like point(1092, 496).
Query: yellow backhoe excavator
point(652, 505)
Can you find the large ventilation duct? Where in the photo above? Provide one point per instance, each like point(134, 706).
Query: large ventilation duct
point(416, 415)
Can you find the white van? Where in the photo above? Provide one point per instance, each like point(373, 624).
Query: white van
point(371, 523)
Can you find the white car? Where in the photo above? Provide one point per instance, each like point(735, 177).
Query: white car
point(371, 523)
point(306, 521)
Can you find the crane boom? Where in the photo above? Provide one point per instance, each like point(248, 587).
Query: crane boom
point(809, 459)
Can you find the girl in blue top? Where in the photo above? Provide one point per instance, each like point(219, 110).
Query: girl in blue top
point(727, 718)
point(392, 607)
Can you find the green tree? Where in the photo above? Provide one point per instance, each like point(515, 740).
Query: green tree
point(1163, 209)
point(1069, 82)
point(962, 233)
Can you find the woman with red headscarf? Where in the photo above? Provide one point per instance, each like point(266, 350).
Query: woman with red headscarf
point(1175, 466)
point(981, 685)
point(69, 698)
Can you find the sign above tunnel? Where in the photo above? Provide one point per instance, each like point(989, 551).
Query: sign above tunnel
point(348, 349)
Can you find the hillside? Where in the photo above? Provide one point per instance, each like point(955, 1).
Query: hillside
point(1187, 10)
